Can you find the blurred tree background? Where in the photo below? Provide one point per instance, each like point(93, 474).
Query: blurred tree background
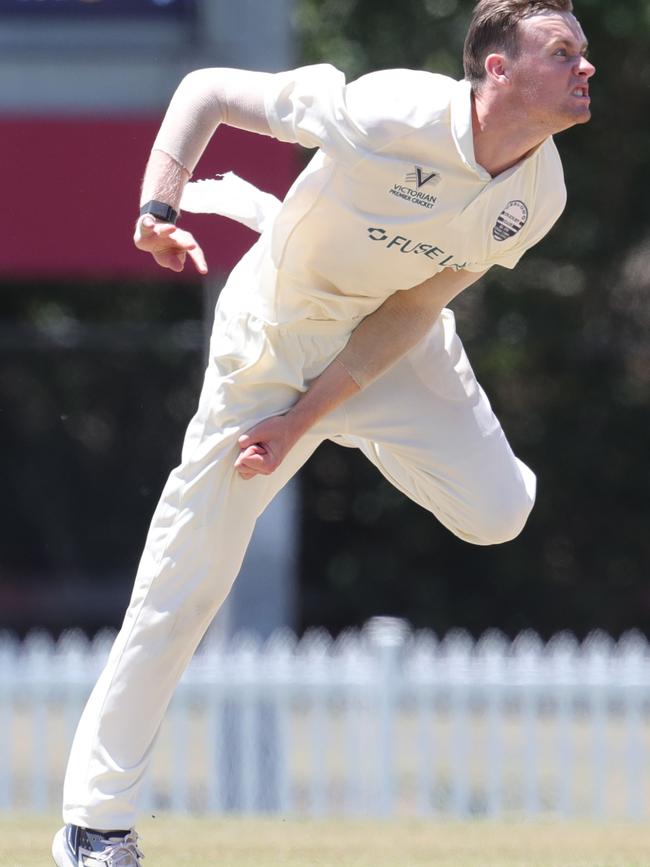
point(99, 381)
point(561, 347)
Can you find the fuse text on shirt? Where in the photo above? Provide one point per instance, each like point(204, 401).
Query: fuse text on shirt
point(407, 245)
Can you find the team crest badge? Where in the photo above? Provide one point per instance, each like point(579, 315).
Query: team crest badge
point(510, 221)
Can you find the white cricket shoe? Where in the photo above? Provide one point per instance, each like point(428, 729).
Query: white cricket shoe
point(82, 847)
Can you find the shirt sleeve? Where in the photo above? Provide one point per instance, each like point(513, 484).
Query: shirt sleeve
point(308, 106)
point(543, 226)
point(314, 107)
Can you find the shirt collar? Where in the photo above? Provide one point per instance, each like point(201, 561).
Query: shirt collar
point(463, 134)
point(461, 127)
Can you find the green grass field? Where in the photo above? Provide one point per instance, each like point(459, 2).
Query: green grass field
point(176, 842)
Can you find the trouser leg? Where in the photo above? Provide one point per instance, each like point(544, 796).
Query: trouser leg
point(429, 428)
point(193, 552)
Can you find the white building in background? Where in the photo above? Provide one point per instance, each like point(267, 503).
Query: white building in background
point(128, 55)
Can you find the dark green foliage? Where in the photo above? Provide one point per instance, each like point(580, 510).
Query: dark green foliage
point(96, 386)
point(560, 345)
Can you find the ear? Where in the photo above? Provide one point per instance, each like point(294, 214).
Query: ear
point(497, 68)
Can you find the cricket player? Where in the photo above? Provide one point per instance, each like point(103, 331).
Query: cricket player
point(333, 325)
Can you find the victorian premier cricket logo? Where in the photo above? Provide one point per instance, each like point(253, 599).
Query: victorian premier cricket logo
point(412, 189)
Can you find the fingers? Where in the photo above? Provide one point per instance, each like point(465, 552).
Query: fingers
point(252, 457)
point(198, 257)
point(171, 259)
point(165, 229)
point(254, 461)
point(147, 223)
point(169, 245)
point(262, 448)
point(149, 228)
point(148, 234)
point(245, 474)
point(246, 440)
point(260, 434)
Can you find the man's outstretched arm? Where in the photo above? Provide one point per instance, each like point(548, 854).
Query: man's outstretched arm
point(204, 99)
point(379, 341)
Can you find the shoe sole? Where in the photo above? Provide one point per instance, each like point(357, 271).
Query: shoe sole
point(61, 852)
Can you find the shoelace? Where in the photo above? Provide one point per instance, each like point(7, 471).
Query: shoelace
point(121, 852)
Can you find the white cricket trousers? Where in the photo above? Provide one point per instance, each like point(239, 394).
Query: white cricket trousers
point(426, 424)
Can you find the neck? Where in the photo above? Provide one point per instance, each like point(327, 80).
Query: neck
point(501, 140)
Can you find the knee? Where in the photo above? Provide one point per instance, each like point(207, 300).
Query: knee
point(502, 514)
point(503, 524)
point(505, 516)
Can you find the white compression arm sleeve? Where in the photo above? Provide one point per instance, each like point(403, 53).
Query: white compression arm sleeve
point(204, 99)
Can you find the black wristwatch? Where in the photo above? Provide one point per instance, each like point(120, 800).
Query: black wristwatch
point(160, 211)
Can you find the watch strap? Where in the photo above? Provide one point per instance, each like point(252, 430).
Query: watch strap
point(160, 211)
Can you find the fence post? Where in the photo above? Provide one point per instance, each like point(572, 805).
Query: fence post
point(387, 636)
point(528, 659)
point(632, 655)
point(458, 647)
point(597, 654)
point(36, 666)
point(422, 679)
point(8, 658)
point(562, 653)
point(279, 670)
point(314, 649)
point(492, 651)
point(353, 665)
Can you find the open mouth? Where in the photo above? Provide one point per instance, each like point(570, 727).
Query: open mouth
point(581, 92)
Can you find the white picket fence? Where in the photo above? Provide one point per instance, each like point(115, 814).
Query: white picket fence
point(382, 721)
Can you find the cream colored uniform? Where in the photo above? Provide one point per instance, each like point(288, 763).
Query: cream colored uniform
point(392, 196)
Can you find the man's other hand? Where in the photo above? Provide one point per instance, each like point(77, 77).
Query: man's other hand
point(168, 244)
point(264, 447)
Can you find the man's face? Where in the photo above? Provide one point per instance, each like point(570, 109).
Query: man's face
point(551, 72)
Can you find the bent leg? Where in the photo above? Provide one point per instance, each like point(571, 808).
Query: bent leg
point(429, 428)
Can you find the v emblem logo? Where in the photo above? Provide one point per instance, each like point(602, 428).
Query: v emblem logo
point(423, 177)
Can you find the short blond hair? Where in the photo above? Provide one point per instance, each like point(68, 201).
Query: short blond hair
point(494, 27)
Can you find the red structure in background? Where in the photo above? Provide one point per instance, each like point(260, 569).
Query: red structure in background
point(71, 195)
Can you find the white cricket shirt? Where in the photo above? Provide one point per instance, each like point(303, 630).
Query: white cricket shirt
point(393, 195)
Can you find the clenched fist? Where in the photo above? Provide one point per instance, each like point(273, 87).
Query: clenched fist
point(264, 447)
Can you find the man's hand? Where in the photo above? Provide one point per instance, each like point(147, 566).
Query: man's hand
point(264, 447)
point(168, 244)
